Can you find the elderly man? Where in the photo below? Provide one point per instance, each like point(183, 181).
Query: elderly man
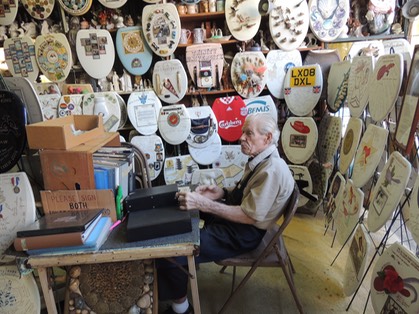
point(235, 220)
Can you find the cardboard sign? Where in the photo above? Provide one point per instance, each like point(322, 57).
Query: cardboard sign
point(78, 200)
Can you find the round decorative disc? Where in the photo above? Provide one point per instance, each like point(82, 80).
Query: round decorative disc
point(39, 9)
point(76, 8)
point(53, 54)
point(248, 73)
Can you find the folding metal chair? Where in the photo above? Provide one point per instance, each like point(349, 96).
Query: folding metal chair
point(271, 252)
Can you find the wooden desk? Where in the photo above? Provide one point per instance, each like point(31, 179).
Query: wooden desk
point(116, 249)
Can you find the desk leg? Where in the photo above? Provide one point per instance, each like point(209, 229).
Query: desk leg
point(194, 285)
point(47, 291)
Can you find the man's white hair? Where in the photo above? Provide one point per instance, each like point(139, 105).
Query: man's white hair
point(265, 124)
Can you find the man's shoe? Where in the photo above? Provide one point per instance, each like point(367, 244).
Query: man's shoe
point(188, 311)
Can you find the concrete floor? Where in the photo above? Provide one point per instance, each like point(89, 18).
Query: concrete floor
point(319, 285)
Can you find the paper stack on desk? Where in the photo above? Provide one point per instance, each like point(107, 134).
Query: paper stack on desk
point(58, 230)
point(94, 241)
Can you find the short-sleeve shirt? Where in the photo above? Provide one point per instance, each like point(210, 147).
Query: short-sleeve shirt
point(268, 189)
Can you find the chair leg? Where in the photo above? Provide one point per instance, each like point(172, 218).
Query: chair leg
point(290, 280)
point(241, 284)
point(223, 269)
point(233, 280)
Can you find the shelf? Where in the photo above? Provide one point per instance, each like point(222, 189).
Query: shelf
point(369, 38)
point(202, 16)
point(211, 92)
point(227, 42)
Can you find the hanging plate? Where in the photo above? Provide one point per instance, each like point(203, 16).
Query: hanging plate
point(348, 211)
point(330, 135)
point(13, 134)
point(203, 127)
point(112, 4)
point(17, 206)
point(110, 109)
point(359, 248)
point(206, 155)
point(248, 73)
point(334, 197)
point(278, 62)
point(53, 54)
point(179, 170)
point(49, 105)
point(232, 162)
point(325, 58)
point(350, 143)
point(243, 18)
point(174, 124)
point(400, 45)
point(70, 105)
point(133, 51)
point(368, 154)
point(20, 294)
point(303, 88)
point(384, 85)
point(337, 85)
point(153, 148)
point(395, 281)
point(411, 212)
point(9, 12)
point(359, 79)
point(96, 52)
point(76, 8)
point(231, 113)
point(39, 9)
point(24, 89)
point(143, 111)
point(161, 26)
point(19, 54)
point(208, 177)
point(388, 190)
point(288, 23)
point(169, 80)
point(303, 179)
point(299, 138)
point(205, 64)
point(328, 18)
point(362, 48)
point(261, 104)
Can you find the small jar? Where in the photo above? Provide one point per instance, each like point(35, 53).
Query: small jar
point(220, 5)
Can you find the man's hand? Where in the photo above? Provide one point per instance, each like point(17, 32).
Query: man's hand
point(192, 200)
point(213, 192)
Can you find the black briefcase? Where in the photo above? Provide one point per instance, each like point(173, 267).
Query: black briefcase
point(149, 198)
point(157, 223)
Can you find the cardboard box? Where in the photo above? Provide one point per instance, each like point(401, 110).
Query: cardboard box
point(64, 201)
point(73, 169)
point(64, 133)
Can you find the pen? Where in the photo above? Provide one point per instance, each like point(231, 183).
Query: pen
point(115, 225)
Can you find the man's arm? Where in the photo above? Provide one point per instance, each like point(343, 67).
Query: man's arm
point(193, 200)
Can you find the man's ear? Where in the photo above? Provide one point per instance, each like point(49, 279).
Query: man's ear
point(269, 138)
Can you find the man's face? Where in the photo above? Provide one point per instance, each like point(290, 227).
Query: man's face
point(251, 141)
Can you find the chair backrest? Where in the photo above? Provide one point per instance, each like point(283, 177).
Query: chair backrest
point(290, 208)
point(273, 234)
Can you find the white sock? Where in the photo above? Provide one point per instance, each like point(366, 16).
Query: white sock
point(180, 307)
